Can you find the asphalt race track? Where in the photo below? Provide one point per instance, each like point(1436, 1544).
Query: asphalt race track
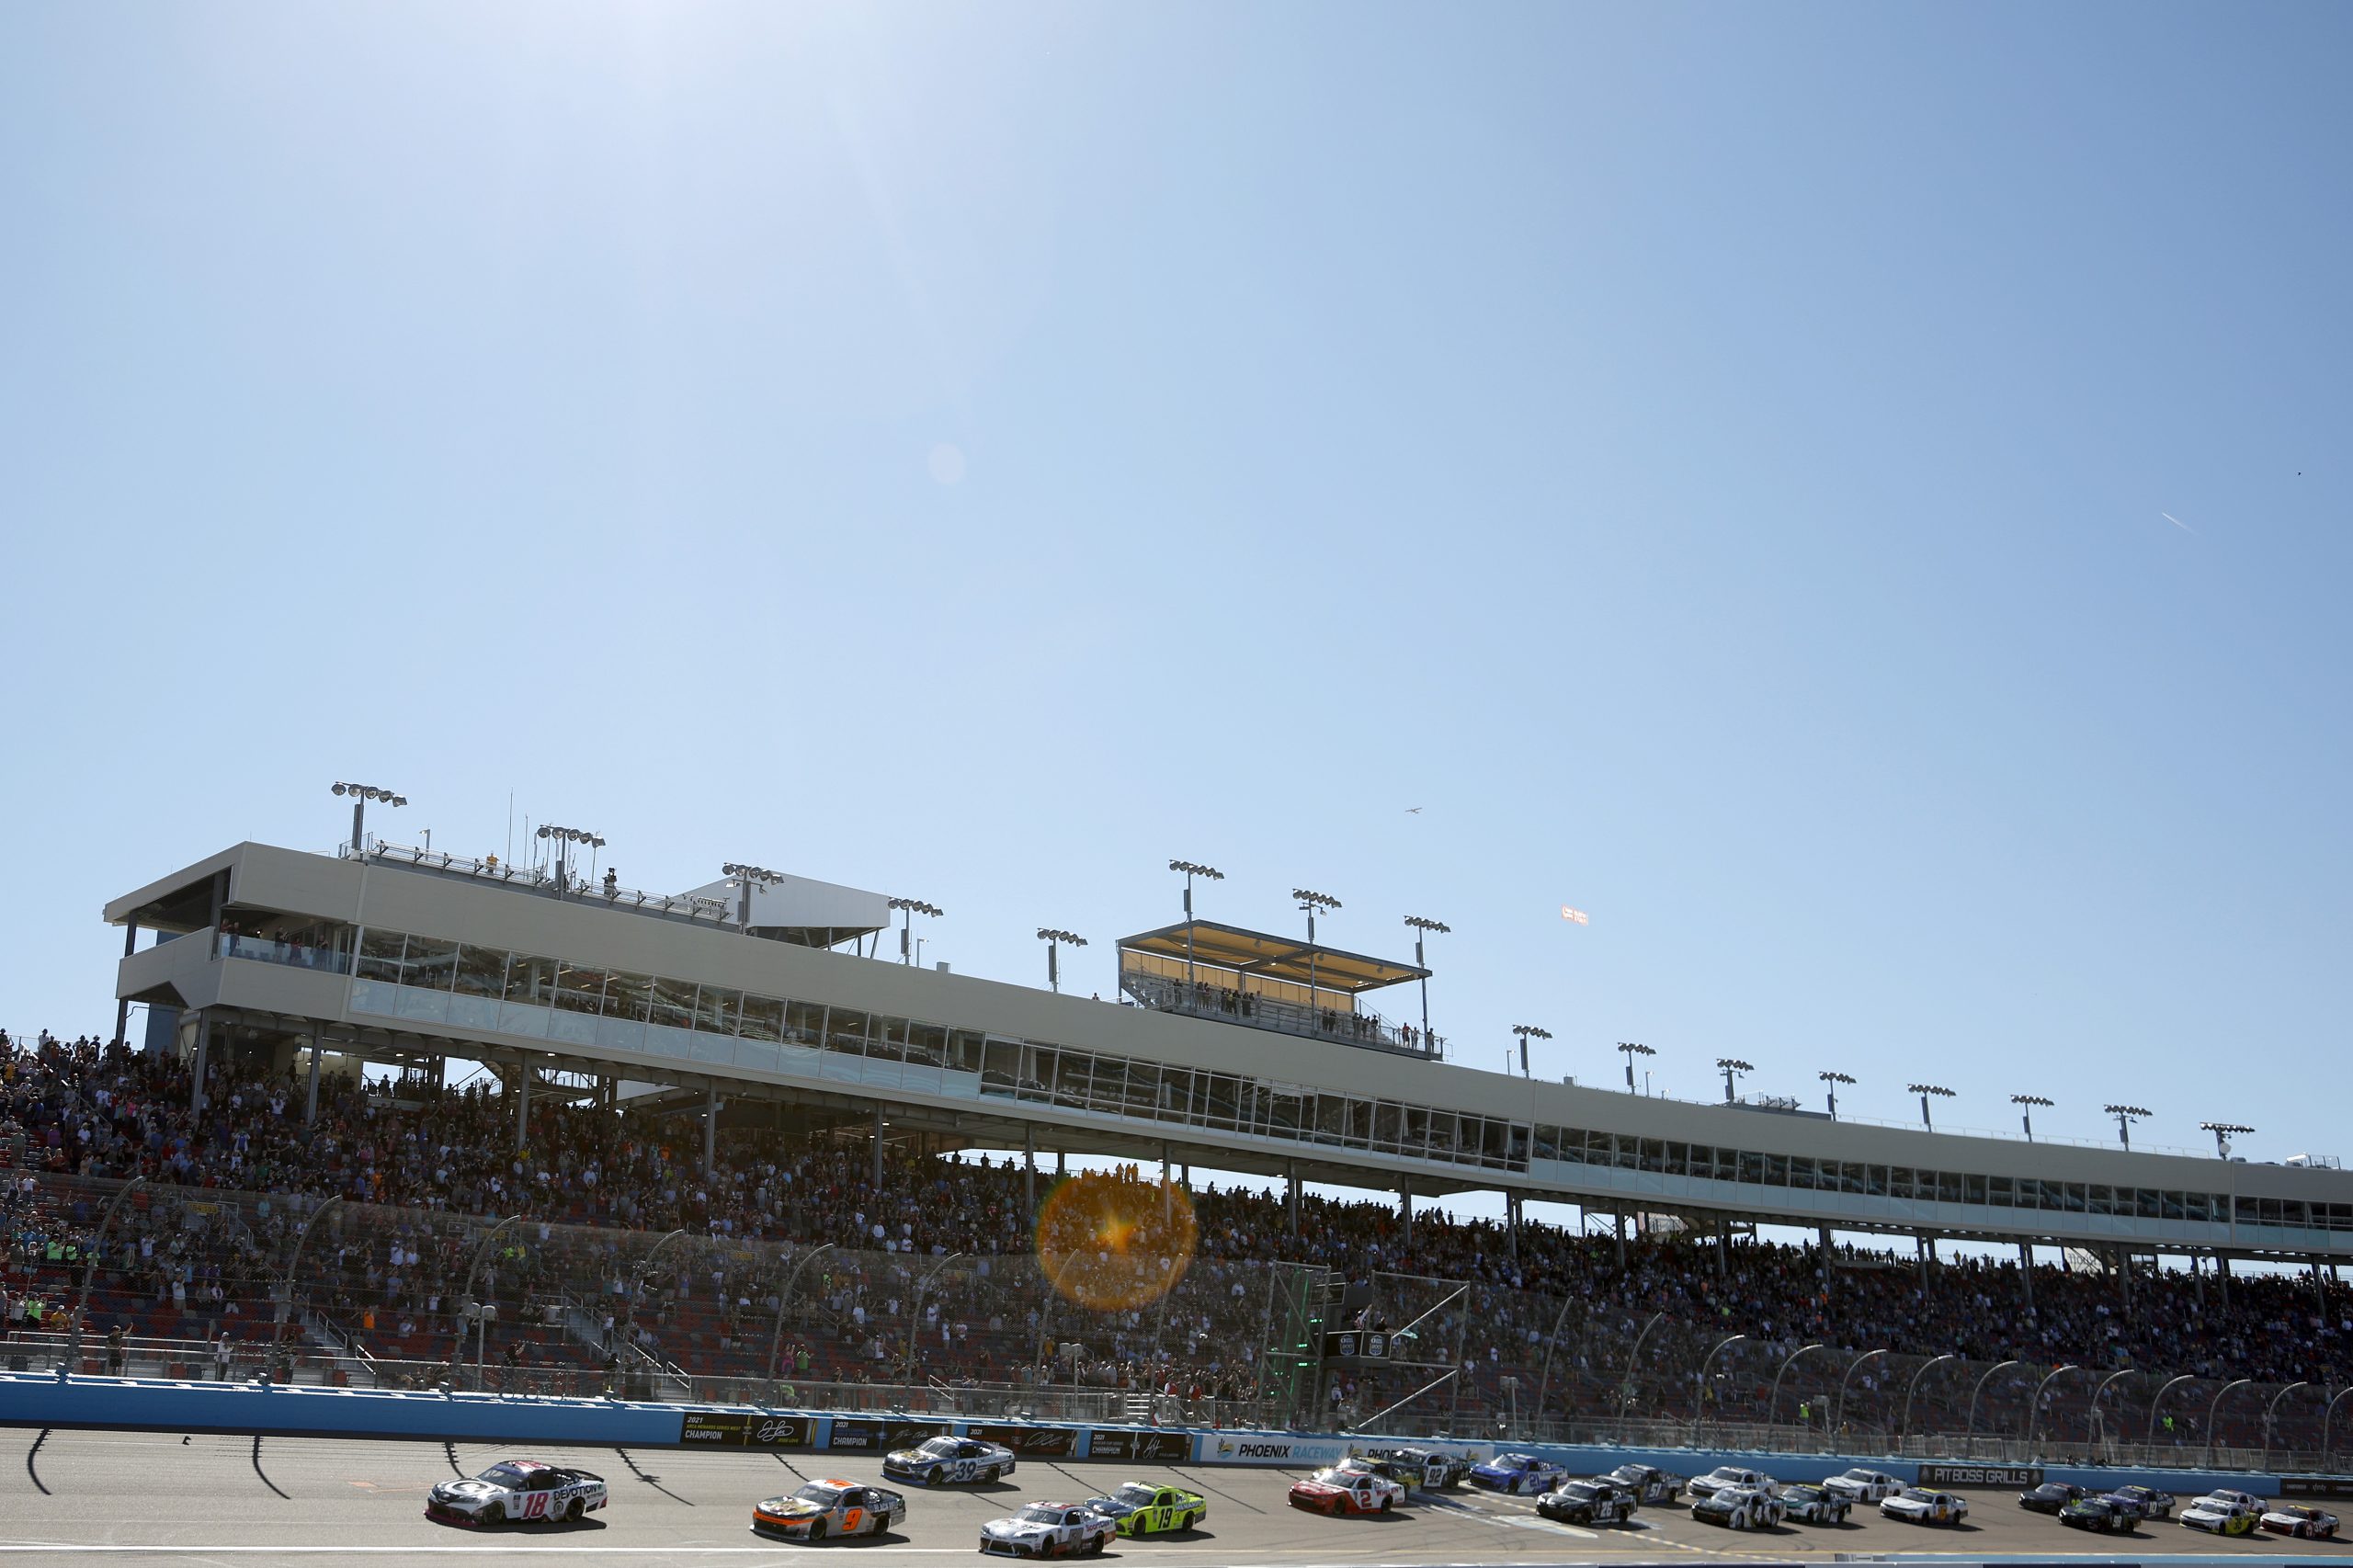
point(134, 1499)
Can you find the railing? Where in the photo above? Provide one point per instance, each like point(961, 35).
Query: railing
point(531, 879)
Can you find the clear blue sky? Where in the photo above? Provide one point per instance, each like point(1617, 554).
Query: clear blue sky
point(1713, 460)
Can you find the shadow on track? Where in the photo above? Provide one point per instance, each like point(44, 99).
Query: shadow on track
point(653, 1481)
point(28, 1463)
point(266, 1481)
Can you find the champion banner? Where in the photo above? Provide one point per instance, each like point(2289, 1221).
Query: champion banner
point(706, 1429)
point(1046, 1442)
point(882, 1437)
point(1151, 1448)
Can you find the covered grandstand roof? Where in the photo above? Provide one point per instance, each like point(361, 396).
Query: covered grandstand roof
point(1277, 958)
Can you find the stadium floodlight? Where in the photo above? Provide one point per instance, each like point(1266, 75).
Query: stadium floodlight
point(1732, 1065)
point(1634, 1049)
point(2026, 1104)
point(1053, 940)
point(1525, 1033)
point(2224, 1132)
point(1423, 927)
point(563, 838)
point(1192, 869)
point(1924, 1091)
point(908, 909)
point(360, 795)
point(2126, 1115)
point(746, 878)
point(1833, 1080)
point(1311, 901)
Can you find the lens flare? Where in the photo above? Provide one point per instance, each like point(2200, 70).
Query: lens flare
point(1110, 1240)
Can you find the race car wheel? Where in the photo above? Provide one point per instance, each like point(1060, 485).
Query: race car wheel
point(816, 1529)
point(1739, 1519)
point(1095, 1547)
point(571, 1511)
point(932, 1476)
point(993, 1475)
point(1384, 1505)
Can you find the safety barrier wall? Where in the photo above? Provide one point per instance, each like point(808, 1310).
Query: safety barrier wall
point(36, 1401)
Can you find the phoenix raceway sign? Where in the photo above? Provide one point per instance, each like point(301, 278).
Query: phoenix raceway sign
point(1270, 1447)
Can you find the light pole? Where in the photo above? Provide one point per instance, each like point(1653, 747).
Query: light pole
point(1311, 902)
point(1053, 940)
point(1924, 1091)
point(2026, 1104)
point(914, 1311)
point(2170, 1386)
point(466, 1296)
point(2271, 1410)
point(2326, 1418)
point(1838, 1410)
point(2217, 1404)
point(1700, 1385)
point(1905, 1425)
point(1633, 1361)
point(562, 839)
point(908, 909)
point(360, 795)
point(746, 878)
point(1422, 927)
point(1192, 869)
point(1971, 1430)
point(2032, 1412)
point(2224, 1132)
point(784, 1302)
point(1634, 1049)
point(1733, 1066)
point(2126, 1115)
point(1773, 1403)
point(1835, 1080)
point(2091, 1418)
point(1525, 1033)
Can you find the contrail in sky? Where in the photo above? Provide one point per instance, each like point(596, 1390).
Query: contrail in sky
point(2176, 522)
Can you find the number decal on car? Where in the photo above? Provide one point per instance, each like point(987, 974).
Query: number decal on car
point(535, 1506)
point(851, 1518)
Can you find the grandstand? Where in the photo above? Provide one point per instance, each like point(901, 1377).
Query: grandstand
point(795, 1201)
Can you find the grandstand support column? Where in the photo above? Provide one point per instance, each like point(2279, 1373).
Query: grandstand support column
point(318, 1049)
point(2197, 1281)
point(1511, 1219)
point(1824, 1233)
point(123, 1003)
point(2320, 1289)
point(522, 1103)
point(1291, 1175)
point(2025, 1271)
point(878, 1145)
point(196, 1083)
point(1405, 1213)
point(1029, 1172)
point(2222, 1275)
point(1167, 1192)
point(1618, 1219)
point(711, 1129)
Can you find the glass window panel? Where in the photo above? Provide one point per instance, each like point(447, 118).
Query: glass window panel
point(1111, 1085)
point(804, 1024)
point(886, 1038)
point(927, 1043)
point(1974, 1190)
point(1751, 1168)
point(1224, 1100)
point(1548, 1142)
point(1073, 1074)
point(429, 964)
point(629, 997)
point(674, 1004)
point(1776, 1170)
point(579, 988)
point(380, 955)
point(1653, 1154)
point(482, 972)
point(1850, 1176)
point(1997, 1191)
point(2073, 1197)
point(2176, 1206)
point(1899, 1182)
point(1876, 1181)
point(2103, 1199)
point(717, 1009)
point(1949, 1186)
point(1331, 1118)
point(531, 981)
point(1517, 1150)
point(1678, 1158)
point(1175, 1095)
point(1801, 1173)
point(1630, 1152)
point(1359, 1122)
point(968, 1051)
point(763, 1015)
point(845, 1030)
point(2144, 1203)
point(1000, 1067)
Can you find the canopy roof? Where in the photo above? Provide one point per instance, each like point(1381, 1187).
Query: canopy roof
point(1277, 958)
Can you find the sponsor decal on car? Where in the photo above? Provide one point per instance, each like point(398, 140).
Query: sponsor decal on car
point(1981, 1476)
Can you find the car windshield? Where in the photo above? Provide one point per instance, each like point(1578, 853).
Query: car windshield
point(939, 1449)
point(1580, 1491)
point(1337, 1477)
point(1914, 1494)
point(512, 1476)
point(824, 1496)
point(1038, 1515)
point(1803, 1494)
point(1724, 1473)
point(1517, 1461)
point(1135, 1491)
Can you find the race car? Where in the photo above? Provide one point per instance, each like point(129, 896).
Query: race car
point(1048, 1530)
point(939, 1460)
point(830, 1507)
point(1810, 1504)
point(2097, 1514)
point(1339, 1491)
point(1425, 1468)
point(1739, 1508)
point(1647, 1482)
point(1864, 1485)
point(2300, 1520)
point(1140, 1508)
point(2049, 1498)
point(1731, 1475)
point(516, 1489)
point(1597, 1502)
point(2144, 1502)
point(1918, 1506)
point(1517, 1473)
point(2223, 1513)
